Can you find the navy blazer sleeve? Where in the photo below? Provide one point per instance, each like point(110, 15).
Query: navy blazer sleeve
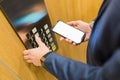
point(67, 69)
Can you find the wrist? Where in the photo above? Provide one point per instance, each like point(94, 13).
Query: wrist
point(43, 58)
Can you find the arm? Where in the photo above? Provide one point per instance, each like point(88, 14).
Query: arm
point(67, 69)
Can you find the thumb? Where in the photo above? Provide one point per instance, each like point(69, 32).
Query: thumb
point(38, 40)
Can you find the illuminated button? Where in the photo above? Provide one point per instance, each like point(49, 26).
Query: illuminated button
point(43, 35)
point(37, 34)
point(49, 35)
point(47, 31)
point(54, 47)
point(51, 39)
point(34, 30)
point(41, 30)
point(52, 44)
point(45, 26)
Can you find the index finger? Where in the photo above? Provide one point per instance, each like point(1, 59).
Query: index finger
point(72, 23)
point(38, 40)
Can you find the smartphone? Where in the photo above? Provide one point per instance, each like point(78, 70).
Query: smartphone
point(69, 32)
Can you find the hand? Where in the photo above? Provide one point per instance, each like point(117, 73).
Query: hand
point(83, 26)
point(34, 55)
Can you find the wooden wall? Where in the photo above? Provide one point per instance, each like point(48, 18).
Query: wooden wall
point(12, 64)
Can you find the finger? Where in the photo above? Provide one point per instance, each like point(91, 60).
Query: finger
point(70, 23)
point(29, 61)
point(25, 52)
point(38, 40)
point(74, 44)
point(68, 40)
point(62, 38)
point(27, 58)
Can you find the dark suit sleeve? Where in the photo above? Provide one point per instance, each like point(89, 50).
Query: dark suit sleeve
point(67, 69)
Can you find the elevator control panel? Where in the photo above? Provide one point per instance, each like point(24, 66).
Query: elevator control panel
point(46, 35)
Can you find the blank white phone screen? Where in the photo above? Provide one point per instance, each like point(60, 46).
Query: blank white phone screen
point(69, 32)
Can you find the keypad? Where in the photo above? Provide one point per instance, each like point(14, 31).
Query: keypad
point(46, 36)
